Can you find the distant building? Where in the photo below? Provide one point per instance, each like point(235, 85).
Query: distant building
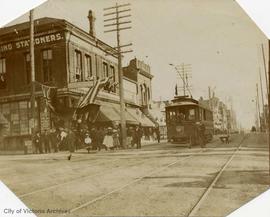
point(224, 118)
point(159, 114)
point(138, 88)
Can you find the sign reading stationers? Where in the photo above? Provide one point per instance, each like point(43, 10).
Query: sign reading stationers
point(44, 39)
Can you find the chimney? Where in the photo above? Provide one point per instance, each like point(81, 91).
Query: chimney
point(91, 18)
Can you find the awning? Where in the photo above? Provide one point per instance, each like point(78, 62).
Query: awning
point(140, 117)
point(111, 113)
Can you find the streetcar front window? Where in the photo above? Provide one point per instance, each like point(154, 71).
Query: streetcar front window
point(191, 114)
point(180, 114)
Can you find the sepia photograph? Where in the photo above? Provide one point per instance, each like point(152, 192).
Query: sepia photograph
point(134, 108)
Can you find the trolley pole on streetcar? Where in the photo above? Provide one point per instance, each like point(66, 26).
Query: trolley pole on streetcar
point(32, 61)
point(116, 16)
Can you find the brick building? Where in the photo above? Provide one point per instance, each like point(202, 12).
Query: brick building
point(66, 57)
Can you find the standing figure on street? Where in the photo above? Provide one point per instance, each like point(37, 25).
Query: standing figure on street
point(100, 138)
point(108, 139)
point(54, 140)
point(37, 143)
point(202, 135)
point(138, 136)
point(46, 142)
point(158, 134)
point(116, 142)
point(87, 142)
point(70, 139)
point(94, 138)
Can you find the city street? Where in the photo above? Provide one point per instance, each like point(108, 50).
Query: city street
point(157, 180)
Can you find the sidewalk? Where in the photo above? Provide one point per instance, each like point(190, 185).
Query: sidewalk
point(152, 142)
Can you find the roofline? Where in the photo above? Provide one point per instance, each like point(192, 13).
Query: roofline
point(68, 24)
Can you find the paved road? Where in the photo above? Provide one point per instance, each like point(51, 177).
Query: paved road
point(158, 180)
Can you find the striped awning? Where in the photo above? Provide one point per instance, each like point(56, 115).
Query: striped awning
point(140, 117)
point(111, 113)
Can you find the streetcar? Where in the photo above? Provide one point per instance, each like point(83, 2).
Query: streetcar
point(184, 117)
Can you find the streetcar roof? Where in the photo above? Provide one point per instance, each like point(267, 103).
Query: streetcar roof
point(180, 104)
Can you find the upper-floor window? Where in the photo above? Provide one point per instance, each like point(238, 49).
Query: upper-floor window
point(47, 65)
point(105, 70)
point(3, 82)
point(27, 67)
point(78, 66)
point(112, 69)
point(88, 67)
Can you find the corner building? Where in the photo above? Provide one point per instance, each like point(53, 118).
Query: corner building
point(66, 57)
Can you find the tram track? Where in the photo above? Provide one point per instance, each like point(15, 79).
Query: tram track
point(202, 198)
point(134, 181)
point(51, 175)
point(156, 171)
point(79, 178)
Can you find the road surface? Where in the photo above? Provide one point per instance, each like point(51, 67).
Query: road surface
point(158, 180)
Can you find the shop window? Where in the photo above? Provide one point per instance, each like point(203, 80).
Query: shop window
point(88, 67)
point(47, 65)
point(105, 70)
point(78, 66)
point(3, 78)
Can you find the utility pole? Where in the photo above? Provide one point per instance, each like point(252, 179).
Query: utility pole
point(265, 71)
point(268, 115)
point(117, 15)
point(182, 71)
point(263, 114)
point(32, 60)
point(258, 104)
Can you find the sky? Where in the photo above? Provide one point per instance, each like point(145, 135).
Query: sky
point(216, 37)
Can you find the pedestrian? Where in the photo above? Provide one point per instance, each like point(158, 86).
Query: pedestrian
point(100, 138)
point(158, 134)
point(202, 135)
point(138, 136)
point(115, 136)
point(53, 139)
point(37, 143)
point(87, 142)
point(46, 142)
point(108, 139)
point(129, 137)
point(71, 139)
point(133, 137)
point(63, 139)
point(93, 136)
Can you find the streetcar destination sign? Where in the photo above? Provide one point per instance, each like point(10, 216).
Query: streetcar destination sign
point(26, 42)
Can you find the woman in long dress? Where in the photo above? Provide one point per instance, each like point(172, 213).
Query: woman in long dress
point(108, 139)
point(116, 142)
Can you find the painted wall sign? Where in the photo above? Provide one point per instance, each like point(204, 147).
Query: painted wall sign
point(26, 43)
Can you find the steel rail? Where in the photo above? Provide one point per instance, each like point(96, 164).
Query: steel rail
point(197, 205)
point(104, 196)
point(76, 179)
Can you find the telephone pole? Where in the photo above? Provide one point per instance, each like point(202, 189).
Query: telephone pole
point(183, 71)
point(32, 61)
point(117, 19)
point(268, 114)
point(258, 104)
point(263, 114)
point(265, 71)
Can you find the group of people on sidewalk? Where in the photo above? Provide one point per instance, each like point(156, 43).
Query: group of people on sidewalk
point(96, 138)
